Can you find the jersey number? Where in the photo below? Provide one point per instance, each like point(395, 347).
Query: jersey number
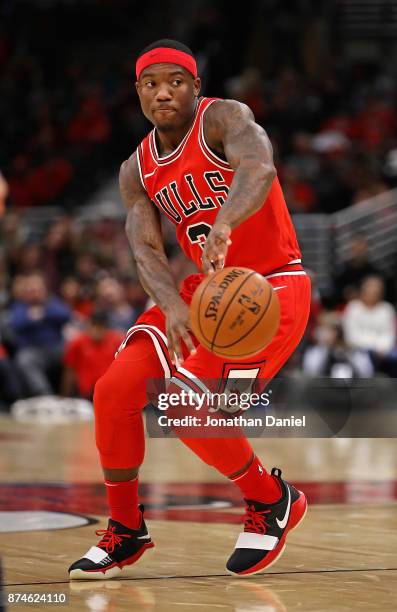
point(198, 233)
point(238, 382)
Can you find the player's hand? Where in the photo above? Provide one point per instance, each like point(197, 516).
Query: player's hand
point(215, 248)
point(177, 329)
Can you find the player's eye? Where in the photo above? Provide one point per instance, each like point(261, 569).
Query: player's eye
point(149, 83)
point(177, 82)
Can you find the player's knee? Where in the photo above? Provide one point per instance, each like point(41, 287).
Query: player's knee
point(107, 415)
point(107, 404)
point(118, 421)
point(102, 392)
point(117, 395)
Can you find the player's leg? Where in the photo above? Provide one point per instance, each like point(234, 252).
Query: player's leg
point(266, 525)
point(119, 398)
point(273, 506)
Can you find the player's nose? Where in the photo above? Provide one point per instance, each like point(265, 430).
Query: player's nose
point(164, 93)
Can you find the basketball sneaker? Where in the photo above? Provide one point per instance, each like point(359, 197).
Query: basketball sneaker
point(118, 547)
point(265, 528)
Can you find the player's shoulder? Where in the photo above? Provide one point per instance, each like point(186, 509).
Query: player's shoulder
point(224, 116)
point(130, 181)
point(226, 110)
point(129, 170)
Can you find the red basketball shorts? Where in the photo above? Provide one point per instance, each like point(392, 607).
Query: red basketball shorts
point(293, 290)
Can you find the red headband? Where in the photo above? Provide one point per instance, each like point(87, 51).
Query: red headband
point(169, 56)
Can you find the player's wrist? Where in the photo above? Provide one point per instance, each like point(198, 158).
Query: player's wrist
point(223, 228)
point(173, 305)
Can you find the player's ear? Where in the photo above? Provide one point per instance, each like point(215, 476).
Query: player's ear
point(197, 86)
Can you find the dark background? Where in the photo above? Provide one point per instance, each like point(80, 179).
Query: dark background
point(320, 77)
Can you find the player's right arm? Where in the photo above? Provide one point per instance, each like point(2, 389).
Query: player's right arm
point(144, 234)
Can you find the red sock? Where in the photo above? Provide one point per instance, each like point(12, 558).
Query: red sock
point(256, 484)
point(123, 502)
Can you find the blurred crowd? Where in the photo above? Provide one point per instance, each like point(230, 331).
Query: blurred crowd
point(352, 334)
point(71, 117)
point(67, 299)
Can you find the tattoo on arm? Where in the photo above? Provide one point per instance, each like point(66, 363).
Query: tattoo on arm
point(230, 128)
point(144, 234)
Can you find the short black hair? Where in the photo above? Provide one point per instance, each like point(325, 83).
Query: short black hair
point(169, 44)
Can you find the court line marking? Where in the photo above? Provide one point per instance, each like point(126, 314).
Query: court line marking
point(125, 579)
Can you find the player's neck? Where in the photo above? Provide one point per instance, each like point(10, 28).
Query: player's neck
point(168, 140)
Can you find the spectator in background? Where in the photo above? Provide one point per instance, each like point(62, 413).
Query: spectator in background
point(352, 272)
point(369, 324)
point(17, 288)
point(86, 271)
point(71, 292)
point(111, 298)
point(332, 357)
point(135, 294)
point(30, 258)
point(12, 236)
point(89, 355)
point(36, 321)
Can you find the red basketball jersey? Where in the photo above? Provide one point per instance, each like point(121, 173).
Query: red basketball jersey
point(191, 184)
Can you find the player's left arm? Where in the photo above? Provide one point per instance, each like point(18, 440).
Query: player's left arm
point(230, 129)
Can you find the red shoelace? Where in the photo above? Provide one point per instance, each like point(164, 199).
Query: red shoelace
point(110, 539)
point(255, 520)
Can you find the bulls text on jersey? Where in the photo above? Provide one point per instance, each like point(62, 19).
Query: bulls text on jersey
point(168, 198)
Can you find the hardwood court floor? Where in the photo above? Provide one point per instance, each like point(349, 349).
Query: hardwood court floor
point(343, 556)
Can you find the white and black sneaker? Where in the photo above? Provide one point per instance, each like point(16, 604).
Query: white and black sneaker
point(265, 529)
point(118, 547)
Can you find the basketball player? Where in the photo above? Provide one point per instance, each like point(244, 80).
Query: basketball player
point(208, 167)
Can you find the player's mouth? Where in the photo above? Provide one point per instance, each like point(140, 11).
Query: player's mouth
point(165, 110)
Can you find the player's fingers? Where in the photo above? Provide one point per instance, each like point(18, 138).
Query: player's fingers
point(171, 347)
point(177, 348)
point(219, 263)
point(188, 341)
point(219, 259)
point(207, 264)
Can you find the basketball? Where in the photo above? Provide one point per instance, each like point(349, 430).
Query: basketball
point(235, 313)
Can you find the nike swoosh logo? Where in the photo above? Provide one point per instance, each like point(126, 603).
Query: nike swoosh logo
point(147, 537)
point(277, 288)
point(283, 523)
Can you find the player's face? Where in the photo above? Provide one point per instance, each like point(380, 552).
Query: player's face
point(167, 93)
